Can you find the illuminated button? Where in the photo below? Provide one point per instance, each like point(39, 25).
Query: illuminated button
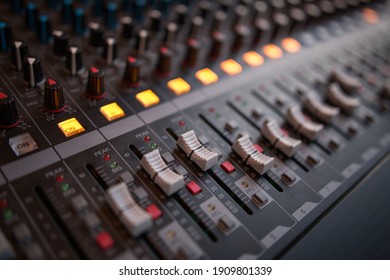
point(291, 45)
point(147, 98)
point(231, 67)
point(253, 59)
point(272, 51)
point(206, 76)
point(71, 127)
point(112, 111)
point(193, 188)
point(104, 240)
point(227, 167)
point(370, 15)
point(179, 86)
point(153, 211)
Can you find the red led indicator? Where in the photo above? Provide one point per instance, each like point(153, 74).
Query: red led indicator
point(60, 178)
point(107, 157)
point(285, 132)
point(211, 109)
point(3, 203)
point(51, 82)
point(259, 148)
point(3, 95)
point(94, 70)
point(182, 123)
point(131, 59)
point(147, 139)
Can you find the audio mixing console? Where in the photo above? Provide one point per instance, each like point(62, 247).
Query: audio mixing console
point(186, 129)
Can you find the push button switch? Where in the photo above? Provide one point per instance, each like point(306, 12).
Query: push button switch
point(22, 144)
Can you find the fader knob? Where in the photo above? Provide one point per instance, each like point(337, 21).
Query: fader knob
point(19, 50)
point(9, 116)
point(132, 73)
point(54, 100)
point(32, 71)
point(95, 84)
point(74, 60)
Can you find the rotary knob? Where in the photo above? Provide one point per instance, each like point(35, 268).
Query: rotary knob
point(9, 116)
point(95, 84)
point(54, 100)
point(32, 71)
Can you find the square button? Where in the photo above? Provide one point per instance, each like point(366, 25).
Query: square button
point(231, 67)
point(22, 144)
point(193, 188)
point(153, 211)
point(227, 167)
point(253, 59)
point(112, 111)
point(147, 98)
point(206, 76)
point(179, 86)
point(71, 127)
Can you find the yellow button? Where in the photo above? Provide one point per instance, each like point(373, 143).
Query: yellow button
point(291, 45)
point(206, 76)
point(253, 59)
point(112, 111)
point(179, 86)
point(272, 51)
point(71, 127)
point(231, 67)
point(147, 98)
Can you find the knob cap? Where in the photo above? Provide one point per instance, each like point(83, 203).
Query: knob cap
point(78, 21)
point(127, 27)
point(60, 43)
point(155, 20)
point(95, 84)
point(54, 100)
point(192, 54)
point(32, 71)
point(5, 35)
point(164, 62)
point(19, 50)
point(67, 10)
point(74, 60)
point(95, 34)
point(9, 116)
point(132, 73)
point(110, 15)
point(31, 15)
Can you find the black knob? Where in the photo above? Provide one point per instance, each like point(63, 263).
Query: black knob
point(241, 33)
point(261, 9)
point(181, 12)
point(282, 26)
point(95, 84)
point(54, 100)
point(192, 54)
point(60, 43)
point(74, 60)
point(32, 71)
point(196, 27)
point(204, 8)
point(9, 116)
point(155, 20)
point(127, 27)
point(132, 72)
point(95, 34)
point(298, 20)
point(43, 28)
point(110, 50)
point(219, 20)
point(262, 31)
point(19, 50)
point(164, 62)
point(313, 13)
point(5, 35)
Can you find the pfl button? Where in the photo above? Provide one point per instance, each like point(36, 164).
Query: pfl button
point(22, 144)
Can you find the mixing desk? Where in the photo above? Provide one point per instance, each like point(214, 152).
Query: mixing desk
point(163, 129)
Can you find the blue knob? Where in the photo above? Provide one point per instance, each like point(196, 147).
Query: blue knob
point(78, 21)
point(110, 15)
point(43, 29)
point(5, 35)
point(98, 8)
point(139, 10)
point(31, 15)
point(67, 8)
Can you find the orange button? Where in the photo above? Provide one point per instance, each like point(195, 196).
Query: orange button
point(272, 51)
point(253, 59)
point(206, 76)
point(179, 86)
point(147, 98)
point(71, 127)
point(291, 45)
point(231, 67)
